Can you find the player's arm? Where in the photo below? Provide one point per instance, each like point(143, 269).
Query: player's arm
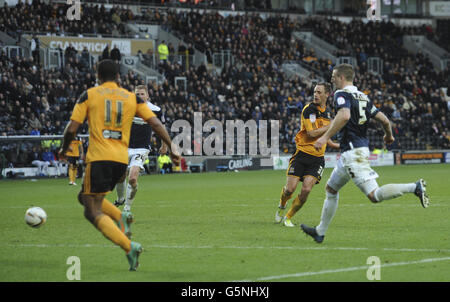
point(311, 131)
point(317, 132)
point(339, 121)
point(78, 116)
point(69, 136)
point(386, 124)
point(161, 131)
point(146, 114)
point(81, 149)
point(163, 149)
point(341, 118)
point(333, 145)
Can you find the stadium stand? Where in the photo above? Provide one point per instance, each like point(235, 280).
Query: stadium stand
point(253, 85)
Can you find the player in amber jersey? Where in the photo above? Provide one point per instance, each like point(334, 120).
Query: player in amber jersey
point(109, 111)
point(74, 153)
point(307, 163)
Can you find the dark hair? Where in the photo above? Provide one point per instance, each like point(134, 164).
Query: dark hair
point(326, 86)
point(107, 70)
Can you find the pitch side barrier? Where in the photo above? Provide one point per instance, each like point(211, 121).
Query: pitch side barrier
point(227, 163)
point(218, 163)
point(422, 157)
point(381, 159)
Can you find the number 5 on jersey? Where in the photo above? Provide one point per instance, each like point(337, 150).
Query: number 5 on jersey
point(362, 111)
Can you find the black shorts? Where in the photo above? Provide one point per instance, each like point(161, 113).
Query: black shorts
point(100, 177)
point(302, 164)
point(73, 160)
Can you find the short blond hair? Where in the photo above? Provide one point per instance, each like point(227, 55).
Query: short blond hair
point(140, 87)
point(346, 70)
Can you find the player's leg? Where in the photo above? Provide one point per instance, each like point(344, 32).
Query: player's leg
point(121, 186)
point(378, 194)
point(121, 190)
point(132, 186)
point(294, 172)
point(308, 183)
point(70, 172)
point(339, 177)
point(94, 214)
point(286, 193)
point(99, 179)
point(137, 159)
point(73, 168)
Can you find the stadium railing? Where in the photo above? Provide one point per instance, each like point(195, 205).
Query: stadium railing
point(14, 152)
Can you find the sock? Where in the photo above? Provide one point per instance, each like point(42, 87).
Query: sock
point(71, 176)
point(131, 194)
point(329, 209)
point(284, 199)
point(110, 230)
point(296, 205)
point(121, 188)
point(390, 191)
point(111, 210)
point(74, 174)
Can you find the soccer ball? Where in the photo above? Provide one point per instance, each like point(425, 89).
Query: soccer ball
point(35, 217)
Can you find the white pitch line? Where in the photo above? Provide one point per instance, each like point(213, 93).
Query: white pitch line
point(341, 270)
point(323, 248)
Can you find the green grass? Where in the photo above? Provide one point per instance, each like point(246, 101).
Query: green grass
point(220, 227)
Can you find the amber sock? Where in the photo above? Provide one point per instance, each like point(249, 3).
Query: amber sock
point(71, 176)
point(110, 230)
point(296, 205)
point(284, 199)
point(111, 210)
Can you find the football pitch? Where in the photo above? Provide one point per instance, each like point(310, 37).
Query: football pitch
point(220, 227)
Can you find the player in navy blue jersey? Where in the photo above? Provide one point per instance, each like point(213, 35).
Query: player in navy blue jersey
point(354, 111)
point(138, 150)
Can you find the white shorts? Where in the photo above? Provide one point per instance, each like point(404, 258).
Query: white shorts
point(354, 164)
point(137, 157)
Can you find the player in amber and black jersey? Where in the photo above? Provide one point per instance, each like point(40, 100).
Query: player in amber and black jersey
point(138, 150)
point(307, 163)
point(109, 111)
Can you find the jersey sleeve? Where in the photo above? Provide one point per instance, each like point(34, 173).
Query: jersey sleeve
point(142, 110)
point(158, 111)
point(80, 110)
point(372, 110)
point(341, 100)
point(308, 118)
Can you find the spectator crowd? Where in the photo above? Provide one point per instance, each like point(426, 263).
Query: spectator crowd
point(38, 101)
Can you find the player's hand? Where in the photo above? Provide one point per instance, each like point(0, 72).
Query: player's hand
point(388, 139)
point(163, 149)
point(62, 154)
point(320, 143)
point(175, 157)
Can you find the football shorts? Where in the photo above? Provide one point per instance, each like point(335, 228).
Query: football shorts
point(137, 157)
point(100, 177)
point(73, 160)
point(354, 164)
point(302, 164)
